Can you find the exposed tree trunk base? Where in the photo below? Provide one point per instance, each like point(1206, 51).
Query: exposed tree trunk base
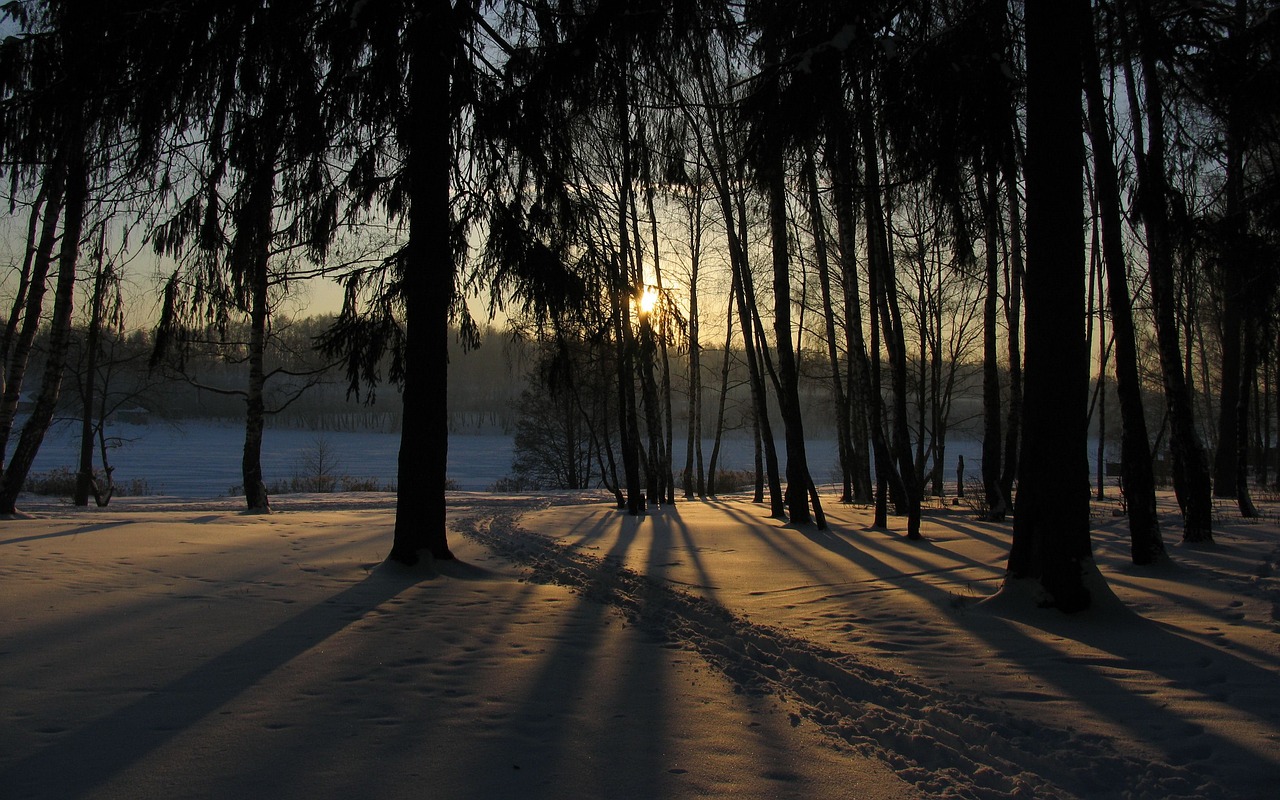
point(409, 557)
point(1018, 595)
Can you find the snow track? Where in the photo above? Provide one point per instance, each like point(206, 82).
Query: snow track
point(945, 744)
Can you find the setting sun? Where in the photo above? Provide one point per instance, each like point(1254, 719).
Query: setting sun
point(648, 299)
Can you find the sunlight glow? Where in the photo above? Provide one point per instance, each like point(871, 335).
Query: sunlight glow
point(649, 299)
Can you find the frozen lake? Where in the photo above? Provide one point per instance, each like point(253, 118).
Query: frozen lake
point(199, 459)
point(202, 459)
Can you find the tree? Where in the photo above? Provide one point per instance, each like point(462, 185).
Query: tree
point(60, 80)
point(264, 191)
point(1051, 525)
point(1147, 546)
point(435, 41)
point(1191, 479)
point(104, 282)
point(769, 149)
point(404, 77)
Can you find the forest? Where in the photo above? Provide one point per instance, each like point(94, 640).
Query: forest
point(888, 198)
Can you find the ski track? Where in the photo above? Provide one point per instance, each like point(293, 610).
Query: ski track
point(947, 745)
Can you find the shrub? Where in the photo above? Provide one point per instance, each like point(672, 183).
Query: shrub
point(732, 480)
point(514, 483)
point(60, 482)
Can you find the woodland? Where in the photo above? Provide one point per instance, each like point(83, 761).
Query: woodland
point(1056, 197)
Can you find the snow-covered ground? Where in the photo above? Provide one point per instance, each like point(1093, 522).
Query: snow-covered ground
point(167, 648)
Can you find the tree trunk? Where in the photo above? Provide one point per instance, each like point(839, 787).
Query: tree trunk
point(843, 441)
point(744, 298)
point(799, 482)
point(1013, 317)
point(1192, 482)
point(658, 461)
point(1226, 456)
point(1139, 486)
point(34, 242)
point(84, 476)
point(428, 275)
point(1051, 523)
point(885, 301)
point(42, 259)
point(861, 400)
point(29, 441)
point(250, 255)
point(1248, 374)
point(694, 484)
point(713, 464)
point(1239, 316)
point(992, 440)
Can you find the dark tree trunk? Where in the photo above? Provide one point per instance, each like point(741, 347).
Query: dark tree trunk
point(861, 400)
point(992, 440)
point(714, 463)
point(18, 358)
point(759, 396)
point(1013, 317)
point(250, 254)
point(624, 333)
point(37, 424)
point(694, 484)
point(1240, 312)
point(1191, 477)
point(799, 482)
point(1146, 543)
point(885, 303)
point(85, 483)
point(428, 275)
point(843, 441)
point(1248, 374)
point(1051, 522)
point(34, 218)
point(1227, 457)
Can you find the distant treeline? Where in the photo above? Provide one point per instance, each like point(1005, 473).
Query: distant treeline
point(485, 384)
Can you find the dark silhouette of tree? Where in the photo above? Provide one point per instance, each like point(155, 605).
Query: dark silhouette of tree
point(950, 109)
point(1147, 545)
point(62, 84)
point(105, 290)
point(1226, 66)
point(264, 190)
point(770, 109)
point(1051, 524)
point(1191, 479)
point(405, 75)
point(821, 252)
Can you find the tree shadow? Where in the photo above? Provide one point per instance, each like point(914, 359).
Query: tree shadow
point(75, 763)
point(92, 528)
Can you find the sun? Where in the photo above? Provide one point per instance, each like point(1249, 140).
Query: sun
point(649, 299)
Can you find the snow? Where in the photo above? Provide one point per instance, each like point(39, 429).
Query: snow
point(170, 647)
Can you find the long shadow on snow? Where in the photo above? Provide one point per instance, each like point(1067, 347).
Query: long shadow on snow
point(127, 735)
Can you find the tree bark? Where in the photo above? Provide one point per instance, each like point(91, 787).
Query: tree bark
point(29, 441)
point(799, 482)
point(885, 301)
point(861, 400)
point(1051, 523)
point(1192, 483)
point(18, 358)
point(1146, 542)
point(429, 281)
point(992, 441)
point(844, 442)
point(250, 256)
point(84, 475)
